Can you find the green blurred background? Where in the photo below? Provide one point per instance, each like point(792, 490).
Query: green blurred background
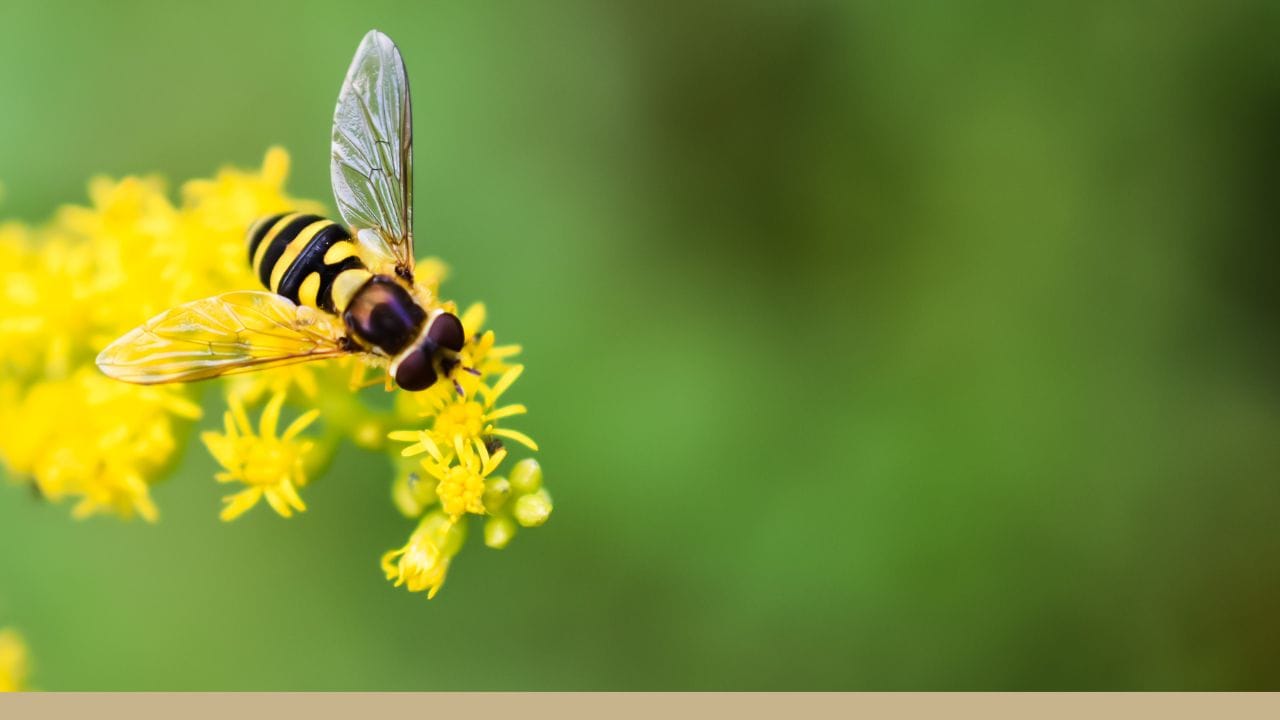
point(870, 345)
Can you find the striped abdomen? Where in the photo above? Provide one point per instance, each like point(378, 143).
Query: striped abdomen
point(307, 259)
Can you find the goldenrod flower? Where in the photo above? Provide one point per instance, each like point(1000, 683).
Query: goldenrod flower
point(271, 466)
point(96, 270)
point(252, 387)
point(462, 440)
point(14, 665)
point(481, 352)
point(91, 438)
point(428, 273)
point(72, 285)
point(461, 485)
point(470, 419)
point(424, 561)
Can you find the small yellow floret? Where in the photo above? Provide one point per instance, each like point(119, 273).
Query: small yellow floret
point(461, 486)
point(271, 466)
point(72, 285)
point(14, 665)
point(422, 563)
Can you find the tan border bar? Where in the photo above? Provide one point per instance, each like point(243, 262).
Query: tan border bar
point(777, 706)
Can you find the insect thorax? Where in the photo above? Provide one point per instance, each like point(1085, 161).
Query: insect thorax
point(384, 315)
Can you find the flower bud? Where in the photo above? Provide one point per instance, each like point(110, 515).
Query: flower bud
point(496, 492)
point(533, 510)
point(447, 533)
point(369, 435)
point(498, 531)
point(413, 490)
point(526, 477)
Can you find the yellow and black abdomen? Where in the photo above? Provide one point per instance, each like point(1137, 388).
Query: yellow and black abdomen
point(307, 259)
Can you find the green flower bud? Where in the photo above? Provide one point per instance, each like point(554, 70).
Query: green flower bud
point(496, 492)
point(498, 531)
point(526, 477)
point(447, 534)
point(532, 510)
point(413, 490)
point(369, 434)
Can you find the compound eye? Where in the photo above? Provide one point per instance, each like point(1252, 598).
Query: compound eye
point(446, 332)
point(414, 371)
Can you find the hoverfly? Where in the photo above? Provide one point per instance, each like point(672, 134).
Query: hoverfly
point(331, 291)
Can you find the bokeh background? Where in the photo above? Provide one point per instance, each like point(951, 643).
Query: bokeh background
point(870, 345)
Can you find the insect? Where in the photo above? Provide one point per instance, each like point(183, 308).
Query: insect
point(330, 291)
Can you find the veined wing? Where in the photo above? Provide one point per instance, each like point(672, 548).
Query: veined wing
point(229, 333)
point(372, 159)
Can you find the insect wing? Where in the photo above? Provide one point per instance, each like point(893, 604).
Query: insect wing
point(372, 153)
point(229, 333)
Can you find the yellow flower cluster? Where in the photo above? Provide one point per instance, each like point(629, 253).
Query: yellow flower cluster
point(14, 665)
point(459, 434)
point(73, 285)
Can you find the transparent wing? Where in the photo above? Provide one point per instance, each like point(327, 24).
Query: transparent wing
point(372, 162)
point(229, 333)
